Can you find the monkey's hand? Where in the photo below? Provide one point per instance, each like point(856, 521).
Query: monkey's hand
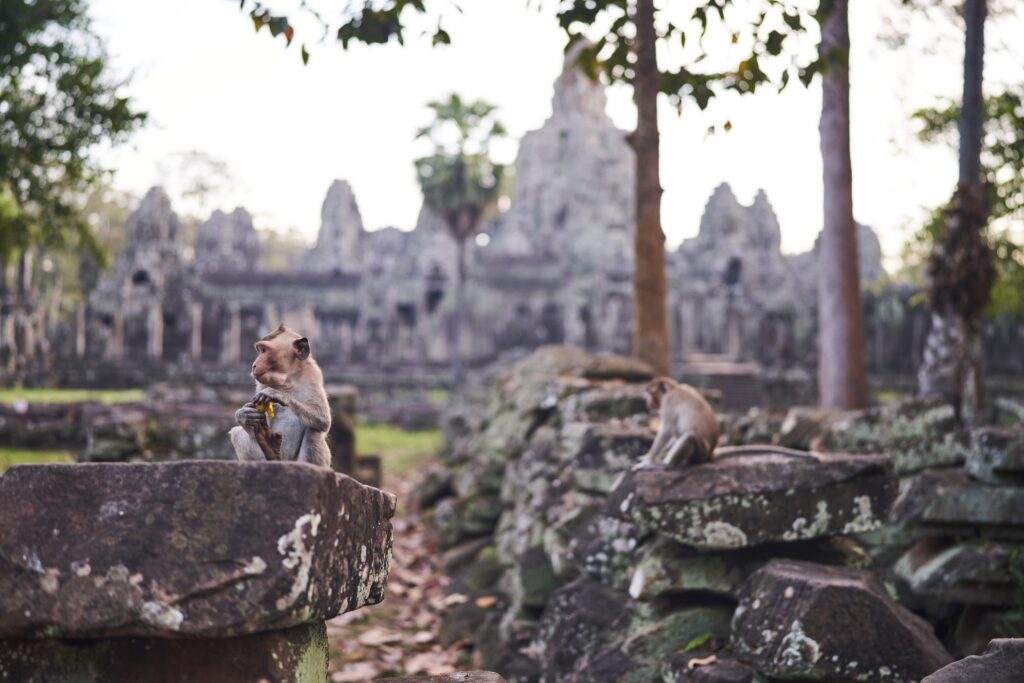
point(269, 395)
point(251, 418)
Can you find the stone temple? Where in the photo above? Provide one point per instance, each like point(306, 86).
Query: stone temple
point(557, 269)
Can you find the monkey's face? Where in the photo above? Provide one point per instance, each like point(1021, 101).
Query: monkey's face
point(278, 356)
point(656, 390)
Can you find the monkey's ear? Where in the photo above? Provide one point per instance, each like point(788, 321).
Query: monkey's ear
point(301, 347)
point(663, 385)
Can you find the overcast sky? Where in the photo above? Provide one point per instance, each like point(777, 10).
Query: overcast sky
point(211, 83)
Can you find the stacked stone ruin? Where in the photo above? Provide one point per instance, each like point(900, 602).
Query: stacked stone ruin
point(767, 559)
point(189, 571)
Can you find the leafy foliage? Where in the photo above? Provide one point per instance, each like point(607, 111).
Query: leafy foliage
point(1003, 164)
point(371, 23)
point(57, 104)
point(460, 182)
point(770, 27)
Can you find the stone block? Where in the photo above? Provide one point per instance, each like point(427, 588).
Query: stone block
point(800, 620)
point(1002, 662)
point(743, 499)
point(997, 456)
point(294, 655)
point(948, 501)
point(186, 549)
point(969, 573)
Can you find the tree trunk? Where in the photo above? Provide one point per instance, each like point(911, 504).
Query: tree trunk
point(458, 371)
point(650, 331)
point(842, 379)
point(961, 272)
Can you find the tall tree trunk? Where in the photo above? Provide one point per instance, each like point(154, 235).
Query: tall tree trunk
point(458, 371)
point(650, 317)
point(960, 270)
point(842, 380)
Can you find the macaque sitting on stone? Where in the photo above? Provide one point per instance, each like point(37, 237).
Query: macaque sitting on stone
point(288, 418)
point(689, 428)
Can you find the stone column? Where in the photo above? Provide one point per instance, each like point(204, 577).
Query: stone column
point(155, 333)
point(231, 352)
point(346, 341)
point(196, 337)
point(115, 345)
point(733, 335)
point(79, 349)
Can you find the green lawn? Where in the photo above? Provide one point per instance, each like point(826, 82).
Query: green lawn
point(401, 452)
point(13, 456)
point(107, 396)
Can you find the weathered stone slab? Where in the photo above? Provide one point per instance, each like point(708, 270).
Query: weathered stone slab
point(799, 620)
point(971, 573)
point(600, 452)
point(997, 456)
point(916, 434)
point(1003, 662)
point(575, 624)
point(643, 638)
point(740, 500)
point(668, 567)
point(295, 655)
point(948, 501)
point(457, 677)
point(187, 548)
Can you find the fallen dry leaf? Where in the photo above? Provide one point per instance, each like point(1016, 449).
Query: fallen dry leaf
point(486, 602)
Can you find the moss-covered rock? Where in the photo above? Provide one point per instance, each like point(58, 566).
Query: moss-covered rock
point(748, 498)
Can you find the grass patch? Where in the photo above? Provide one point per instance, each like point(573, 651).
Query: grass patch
point(9, 457)
point(107, 396)
point(401, 451)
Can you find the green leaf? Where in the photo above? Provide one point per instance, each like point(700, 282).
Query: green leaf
point(305, 54)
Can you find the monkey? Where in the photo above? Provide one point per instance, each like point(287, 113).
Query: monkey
point(689, 428)
point(286, 376)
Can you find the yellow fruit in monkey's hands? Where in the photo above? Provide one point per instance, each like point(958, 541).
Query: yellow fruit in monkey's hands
point(266, 407)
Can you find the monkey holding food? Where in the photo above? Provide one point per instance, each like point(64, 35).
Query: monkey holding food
point(689, 428)
point(288, 418)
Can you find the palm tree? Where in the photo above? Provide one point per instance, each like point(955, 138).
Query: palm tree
point(460, 184)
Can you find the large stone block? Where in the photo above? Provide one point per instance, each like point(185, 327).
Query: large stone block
point(799, 620)
point(295, 655)
point(915, 433)
point(997, 455)
point(188, 548)
point(970, 573)
point(948, 501)
point(742, 499)
point(1002, 662)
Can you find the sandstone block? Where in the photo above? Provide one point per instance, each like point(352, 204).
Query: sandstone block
point(800, 620)
point(752, 498)
point(195, 548)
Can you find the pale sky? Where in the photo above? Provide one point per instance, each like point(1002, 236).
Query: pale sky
point(285, 130)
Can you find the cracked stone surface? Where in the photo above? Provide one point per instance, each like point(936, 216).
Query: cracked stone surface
point(947, 500)
point(1002, 662)
point(745, 499)
point(294, 655)
point(801, 620)
point(198, 548)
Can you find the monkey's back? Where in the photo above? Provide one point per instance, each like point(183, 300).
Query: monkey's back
point(696, 415)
